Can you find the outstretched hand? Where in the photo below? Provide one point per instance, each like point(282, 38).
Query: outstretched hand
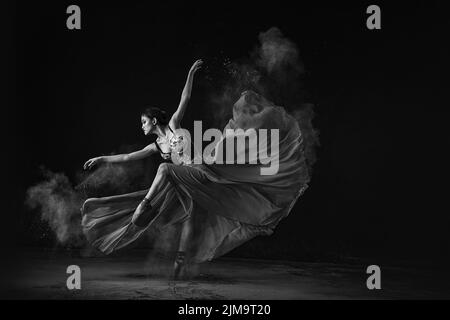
point(92, 162)
point(197, 65)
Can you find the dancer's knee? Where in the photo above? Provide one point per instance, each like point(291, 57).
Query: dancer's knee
point(164, 169)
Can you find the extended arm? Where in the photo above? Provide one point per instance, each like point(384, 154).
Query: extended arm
point(137, 155)
point(185, 96)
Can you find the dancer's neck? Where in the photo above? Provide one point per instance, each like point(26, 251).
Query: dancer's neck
point(162, 132)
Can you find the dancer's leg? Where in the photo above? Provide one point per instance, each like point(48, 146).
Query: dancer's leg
point(161, 178)
point(183, 247)
point(186, 231)
point(142, 216)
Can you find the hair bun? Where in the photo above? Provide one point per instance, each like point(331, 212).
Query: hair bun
point(157, 113)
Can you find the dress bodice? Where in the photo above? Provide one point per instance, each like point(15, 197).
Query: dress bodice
point(175, 148)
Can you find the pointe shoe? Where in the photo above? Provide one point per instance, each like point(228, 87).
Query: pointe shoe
point(141, 219)
point(179, 266)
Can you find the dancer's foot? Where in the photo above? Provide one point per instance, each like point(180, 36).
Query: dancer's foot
point(179, 266)
point(143, 214)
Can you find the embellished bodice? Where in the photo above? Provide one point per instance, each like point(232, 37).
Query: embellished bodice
point(176, 144)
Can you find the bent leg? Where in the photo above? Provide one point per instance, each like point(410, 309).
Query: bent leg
point(161, 178)
point(144, 212)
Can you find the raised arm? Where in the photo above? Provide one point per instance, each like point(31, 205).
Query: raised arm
point(185, 96)
point(140, 154)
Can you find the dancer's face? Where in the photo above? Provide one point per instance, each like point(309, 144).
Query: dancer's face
point(147, 124)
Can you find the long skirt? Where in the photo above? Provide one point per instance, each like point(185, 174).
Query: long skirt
point(227, 204)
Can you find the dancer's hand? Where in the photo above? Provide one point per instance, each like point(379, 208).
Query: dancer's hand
point(185, 96)
point(92, 162)
point(197, 65)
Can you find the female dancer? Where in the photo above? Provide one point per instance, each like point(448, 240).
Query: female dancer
point(218, 206)
point(155, 121)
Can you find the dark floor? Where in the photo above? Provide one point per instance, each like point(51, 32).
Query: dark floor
point(135, 275)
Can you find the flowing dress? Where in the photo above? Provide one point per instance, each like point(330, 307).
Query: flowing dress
point(229, 203)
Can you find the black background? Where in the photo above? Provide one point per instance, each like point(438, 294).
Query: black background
point(379, 188)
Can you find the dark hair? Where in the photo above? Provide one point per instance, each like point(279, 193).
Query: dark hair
point(157, 113)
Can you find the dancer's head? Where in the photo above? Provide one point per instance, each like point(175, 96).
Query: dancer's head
point(153, 117)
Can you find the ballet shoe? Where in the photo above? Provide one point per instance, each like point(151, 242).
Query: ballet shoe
point(141, 218)
point(179, 266)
